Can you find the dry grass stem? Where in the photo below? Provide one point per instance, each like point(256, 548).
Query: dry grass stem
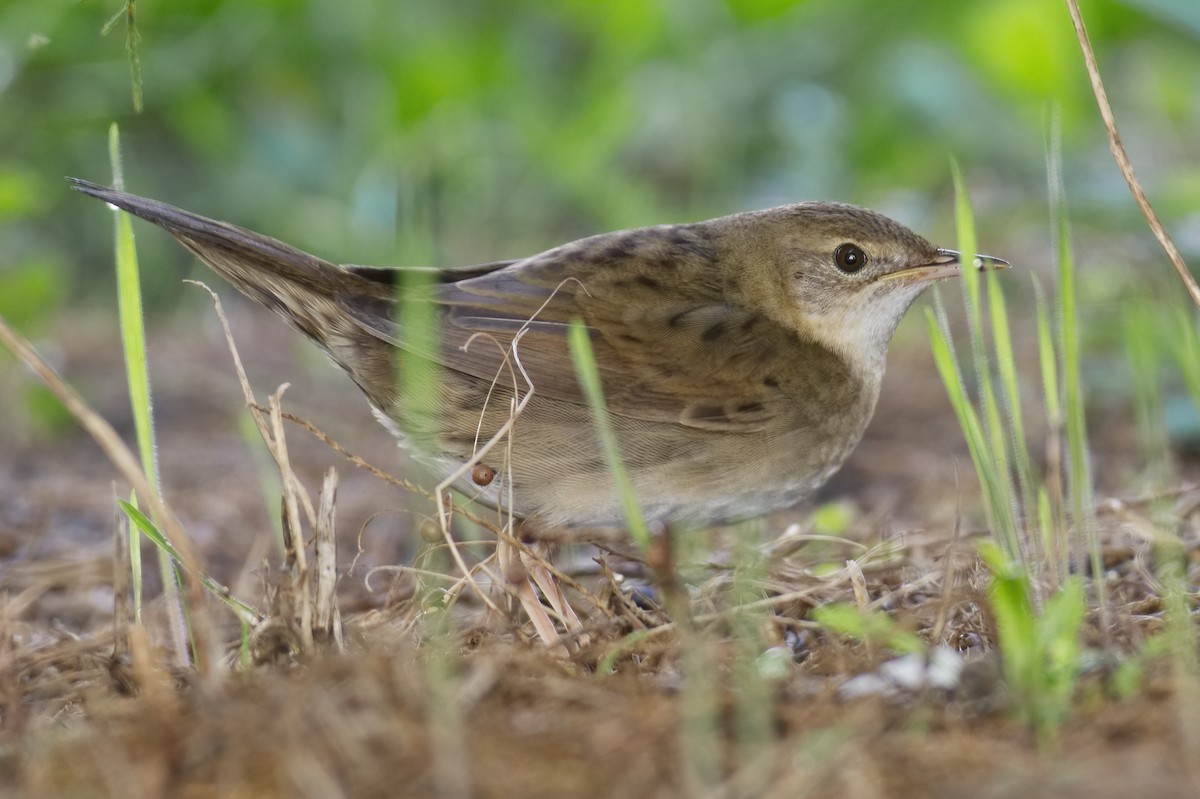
point(949, 575)
point(294, 545)
point(328, 618)
point(1122, 158)
point(121, 571)
point(297, 593)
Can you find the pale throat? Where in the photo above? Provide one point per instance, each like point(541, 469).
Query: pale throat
point(860, 338)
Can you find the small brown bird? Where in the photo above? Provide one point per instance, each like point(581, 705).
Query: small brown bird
point(740, 357)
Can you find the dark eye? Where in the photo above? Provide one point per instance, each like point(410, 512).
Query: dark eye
point(849, 258)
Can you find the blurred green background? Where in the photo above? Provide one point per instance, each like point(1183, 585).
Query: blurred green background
point(439, 131)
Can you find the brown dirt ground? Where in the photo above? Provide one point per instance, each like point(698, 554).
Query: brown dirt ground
point(498, 715)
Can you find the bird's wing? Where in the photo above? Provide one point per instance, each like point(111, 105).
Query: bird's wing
point(667, 344)
point(396, 275)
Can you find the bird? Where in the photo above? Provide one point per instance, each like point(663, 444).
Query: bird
point(740, 357)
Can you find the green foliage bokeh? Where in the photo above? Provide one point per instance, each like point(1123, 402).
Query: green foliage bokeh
point(462, 131)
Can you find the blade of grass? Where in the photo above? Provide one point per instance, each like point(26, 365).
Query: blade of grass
point(1079, 475)
point(700, 739)
point(1186, 349)
point(1006, 363)
point(1141, 349)
point(244, 611)
point(133, 38)
point(877, 628)
point(997, 448)
point(947, 366)
point(1056, 541)
point(1040, 651)
point(1032, 541)
point(589, 378)
point(133, 340)
point(755, 711)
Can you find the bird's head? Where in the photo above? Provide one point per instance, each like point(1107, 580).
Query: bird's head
point(844, 276)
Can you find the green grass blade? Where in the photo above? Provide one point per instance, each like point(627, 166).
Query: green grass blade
point(133, 332)
point(968, 419)
point(1014, 615)
point(1141, 334)
point(135, 565)
point(156, 536)
point(1076, 427)
point(1040, 650)
point(879, 629)
point(133, 339)
point(589, 379)
point(964, 222)
point(618, 649)
point(1006, 363)
point(754, 721)
point(1046, 354)
point(1054, 521)
point(133, 38)
point(1053, 543)
point(1059, 649)
point(1003, 499)
point(1187, 350)
point(1058, 633)
point(1015, 440)
point(699, 720)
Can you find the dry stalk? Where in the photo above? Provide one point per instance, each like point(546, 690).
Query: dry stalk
point(121, 568)
point(272, 434)
point(1122, 158)
point(545, 563)
point(328, 618)
point(476, 458)
point(294, 593)
point(459, 583)
point(12, 701)
point(293, 534)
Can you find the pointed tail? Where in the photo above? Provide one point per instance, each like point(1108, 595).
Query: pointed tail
point(305, 290)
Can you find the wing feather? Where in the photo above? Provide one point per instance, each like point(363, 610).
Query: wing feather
point(663, 355)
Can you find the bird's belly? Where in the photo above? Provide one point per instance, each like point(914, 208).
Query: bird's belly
point(553, 472)
point(689, 478)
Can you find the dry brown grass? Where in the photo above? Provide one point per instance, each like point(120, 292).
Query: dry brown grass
point(80, 720)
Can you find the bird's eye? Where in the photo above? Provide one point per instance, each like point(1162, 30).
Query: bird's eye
point(849, 258)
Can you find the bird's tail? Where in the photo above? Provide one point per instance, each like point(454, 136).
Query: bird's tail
point(307, 291)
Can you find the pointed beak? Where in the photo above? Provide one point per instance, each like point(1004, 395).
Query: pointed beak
point(945, 265)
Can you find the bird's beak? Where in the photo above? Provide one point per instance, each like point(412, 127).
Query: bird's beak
point(945, 265)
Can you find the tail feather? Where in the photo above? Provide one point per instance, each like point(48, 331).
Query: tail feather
point(203, 236)
point(305, 290)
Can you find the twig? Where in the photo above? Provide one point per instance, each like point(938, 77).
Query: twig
point(1122, 159)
